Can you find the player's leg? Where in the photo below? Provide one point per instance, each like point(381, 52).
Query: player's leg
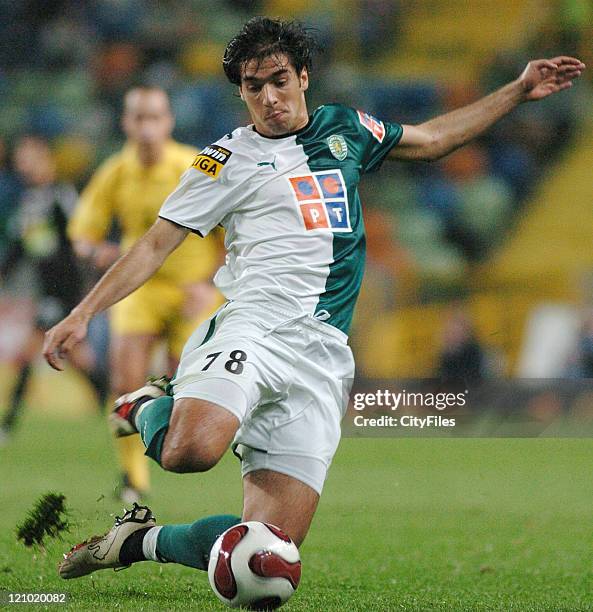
point(269, 496)
point(286, 450)
point(221, 377)
point(136, 537)
point(15, 403)
point(184, 435)
point(129, 362)
point(83, 359)
point(50, 310)
point(136, 322)
point(24, 360)
point(199, 434)
point(187, 435)
point(192, 438)
point(279, 499)
point(191, 434)
point(212, 391)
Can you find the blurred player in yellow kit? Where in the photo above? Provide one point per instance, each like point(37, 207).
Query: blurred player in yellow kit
point(130, 188)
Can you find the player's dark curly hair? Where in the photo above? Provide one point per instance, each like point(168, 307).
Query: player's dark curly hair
point(262, 37)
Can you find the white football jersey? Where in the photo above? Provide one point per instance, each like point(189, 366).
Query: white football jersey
point(290, 207)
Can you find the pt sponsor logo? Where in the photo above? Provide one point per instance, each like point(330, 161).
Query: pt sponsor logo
point(322, 200)
point(211, 160)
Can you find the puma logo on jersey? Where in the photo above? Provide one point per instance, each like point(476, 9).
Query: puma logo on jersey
point(322, 200)
point(211, 160)
point(267, 163)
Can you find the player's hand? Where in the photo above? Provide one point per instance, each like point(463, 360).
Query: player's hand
point(63, 337)
point(543, 77)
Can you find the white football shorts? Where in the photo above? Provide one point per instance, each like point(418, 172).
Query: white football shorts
point(286, 378)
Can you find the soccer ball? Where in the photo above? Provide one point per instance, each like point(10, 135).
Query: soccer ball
point(254, 565)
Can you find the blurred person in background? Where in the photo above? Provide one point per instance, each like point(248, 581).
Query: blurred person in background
point(583, 368)
point(129, 189)
point(462, 358)
point(9, 195)
point(37, 233)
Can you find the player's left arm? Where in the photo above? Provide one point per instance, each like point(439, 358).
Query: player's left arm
point(436, 138)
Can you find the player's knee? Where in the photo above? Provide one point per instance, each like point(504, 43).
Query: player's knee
point(191, 457)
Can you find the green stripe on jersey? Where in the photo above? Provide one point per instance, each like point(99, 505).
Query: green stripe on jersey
point(210, 331)
point(337, 139)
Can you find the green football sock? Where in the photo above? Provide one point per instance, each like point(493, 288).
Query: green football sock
point(190, 544)
point(153, 423)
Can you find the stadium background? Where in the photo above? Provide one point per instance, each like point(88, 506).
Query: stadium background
point(491, 245)
point(488, 235)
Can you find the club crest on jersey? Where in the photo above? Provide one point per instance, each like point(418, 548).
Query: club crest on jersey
point(322, 200)
point(211, 160)
point(374, 126)
point(338, 147)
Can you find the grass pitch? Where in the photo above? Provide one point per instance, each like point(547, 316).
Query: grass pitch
point(404, 524)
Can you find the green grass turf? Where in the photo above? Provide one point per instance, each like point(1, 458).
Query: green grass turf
point(414, 524)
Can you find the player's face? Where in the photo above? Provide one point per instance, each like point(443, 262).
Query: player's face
point(275, 95)
point(147, 119)
point(34, 162)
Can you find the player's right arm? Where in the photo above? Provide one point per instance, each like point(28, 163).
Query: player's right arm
point(127, 274)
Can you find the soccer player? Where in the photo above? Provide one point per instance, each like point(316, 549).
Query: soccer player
point(130, 187)
point(270, 373)
point(37, 234)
